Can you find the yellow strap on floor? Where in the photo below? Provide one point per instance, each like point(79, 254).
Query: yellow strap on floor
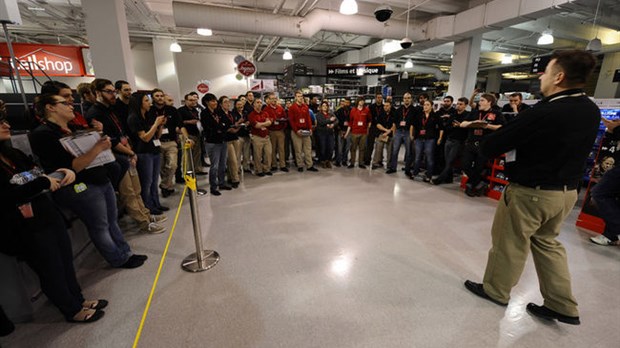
point(191, 184)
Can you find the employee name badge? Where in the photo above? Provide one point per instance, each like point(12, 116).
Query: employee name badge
point(124, 141)
point(26, 210)
point(360, 124)
point(478, 132)
point(276, 123)
point(511, 156)
point(156, 142)
point(199, 126)
point(423, 132)
point(403, 123)
point(303, 120)
point(346, 123)
point(165, 131)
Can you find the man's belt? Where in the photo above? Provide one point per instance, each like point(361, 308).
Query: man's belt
point(548, 187)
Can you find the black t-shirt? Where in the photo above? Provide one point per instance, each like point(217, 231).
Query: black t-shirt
point(173, 121)
point(121, 110)
point(229, 119)
point(45, 143)
point(213, 125)
point(112, 125)
point(188, 114)
point(426, 127)
point(342, 115)
point(21, 182)
point(491, 116)
point(386, 119)
point(456, 133)
point(403, 117)
point(243, 131)
point(136, 124)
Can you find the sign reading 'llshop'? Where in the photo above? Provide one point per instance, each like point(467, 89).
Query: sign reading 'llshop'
point(54, 60)
point(355, 69)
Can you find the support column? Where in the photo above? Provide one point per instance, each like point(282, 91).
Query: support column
point(464, 67)
point(108, 38)
point(165, 68)
point(605, 88)
point(494, 80)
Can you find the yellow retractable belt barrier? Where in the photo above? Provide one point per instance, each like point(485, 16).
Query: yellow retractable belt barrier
point(190, 182)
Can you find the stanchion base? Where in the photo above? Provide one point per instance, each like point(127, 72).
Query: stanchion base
point(191, 264)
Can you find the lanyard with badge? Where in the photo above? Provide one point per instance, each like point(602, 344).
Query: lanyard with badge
point(403, 120)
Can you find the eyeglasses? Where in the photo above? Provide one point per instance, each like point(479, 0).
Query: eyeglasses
point(109, 91)
point(64, 102)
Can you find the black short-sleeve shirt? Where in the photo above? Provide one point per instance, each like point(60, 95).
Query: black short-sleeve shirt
point(136, 124)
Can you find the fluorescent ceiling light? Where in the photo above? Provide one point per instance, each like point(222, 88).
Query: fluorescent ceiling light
point(175, 47)
point(507, 59)
point(408, 64)
point(546, 38)
point(348, 7)
point(204, 31)
point(287, 55)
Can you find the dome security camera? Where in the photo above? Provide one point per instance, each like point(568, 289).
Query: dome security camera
point(383, 13)
point(406, 43)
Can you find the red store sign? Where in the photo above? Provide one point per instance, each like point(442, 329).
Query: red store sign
point(55, 60)
point(246, 68)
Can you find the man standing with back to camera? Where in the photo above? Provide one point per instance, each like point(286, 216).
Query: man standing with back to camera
point(546, 148)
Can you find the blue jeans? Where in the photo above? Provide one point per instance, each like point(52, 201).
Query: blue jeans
point(343, 145)
point(148, 167)
point(451, 153)
point(326, 145)
point(96, 207)
point(605, 194)
point(401, 137)
point(426, 146)
point(218, 155)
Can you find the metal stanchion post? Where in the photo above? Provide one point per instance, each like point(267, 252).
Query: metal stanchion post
point(201, 260)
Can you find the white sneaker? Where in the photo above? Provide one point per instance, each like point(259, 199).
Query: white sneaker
point(153, 228)
point(601, 240)
point(159, 218)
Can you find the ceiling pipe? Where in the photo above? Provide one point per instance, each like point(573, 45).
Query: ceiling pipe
point(194, 15)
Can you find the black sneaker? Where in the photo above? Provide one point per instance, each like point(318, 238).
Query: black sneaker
point(274, 169)
point(133, 262)
point(362, 166)
point(225, 187)
point(312, 169)
point(390, 171)
point(269, 173)
point(284, 169)
point(163, 208)
point(235, 185)
point(548, 314)
point(351, 166)
point(140, 257)
point(216, 193)
point(337, 164)
point(260, 174)
point(300, 169)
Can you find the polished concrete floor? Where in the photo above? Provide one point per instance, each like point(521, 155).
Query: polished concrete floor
point(339, 258)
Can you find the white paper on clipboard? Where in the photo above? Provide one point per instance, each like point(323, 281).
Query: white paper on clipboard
point(81, 143)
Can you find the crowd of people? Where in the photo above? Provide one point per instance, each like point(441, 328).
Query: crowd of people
point(232, 137)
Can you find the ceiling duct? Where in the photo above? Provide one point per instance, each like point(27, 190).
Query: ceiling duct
point(266, 23)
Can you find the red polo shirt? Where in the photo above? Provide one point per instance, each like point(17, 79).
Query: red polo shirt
point(359, 120)
point(278, 115)
point(256, 117)
point(299, 117)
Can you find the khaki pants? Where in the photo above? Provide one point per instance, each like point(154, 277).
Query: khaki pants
point(302, 144)
point(262, 154)
point(129, 193)
point(169, 152)
point(196, 154)
point(243, 156)
point(378, 158)
point(358, 141)
point(526, 220)
point(232, 166)
point(277, 148)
